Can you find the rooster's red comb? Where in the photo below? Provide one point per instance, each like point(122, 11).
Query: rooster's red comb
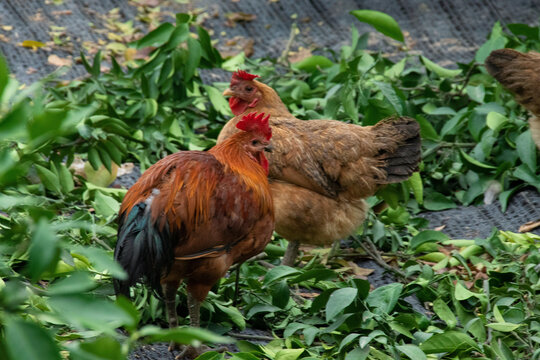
point(256, 123)
point(242, 75)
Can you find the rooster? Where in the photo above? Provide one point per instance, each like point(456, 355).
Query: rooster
point(520, 73)
point(193, 214)
point(322, 170)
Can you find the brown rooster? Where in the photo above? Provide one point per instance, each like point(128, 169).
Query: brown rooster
point(520, 73)
point(193, 214)
point(322, 170)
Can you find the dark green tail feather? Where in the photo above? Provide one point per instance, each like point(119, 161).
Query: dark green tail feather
point(144, 251)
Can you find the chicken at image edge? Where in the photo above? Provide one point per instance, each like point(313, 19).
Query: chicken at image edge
point(520, 73)
point(321, 171)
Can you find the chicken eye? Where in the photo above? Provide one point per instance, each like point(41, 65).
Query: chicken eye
point(255, 142)
point(249, 88)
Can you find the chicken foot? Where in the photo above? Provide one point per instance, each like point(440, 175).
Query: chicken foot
point(190, 351)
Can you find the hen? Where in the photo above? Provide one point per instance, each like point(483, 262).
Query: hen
point(322, 170)
point(193, 214)
point(520, 73)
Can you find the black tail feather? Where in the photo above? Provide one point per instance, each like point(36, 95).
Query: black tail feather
point(145, 252)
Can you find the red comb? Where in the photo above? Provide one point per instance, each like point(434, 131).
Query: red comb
point(243, 75)
point(256, 123)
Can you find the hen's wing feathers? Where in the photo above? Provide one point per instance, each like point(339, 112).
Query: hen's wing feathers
point(330, 157)
point(179, 213)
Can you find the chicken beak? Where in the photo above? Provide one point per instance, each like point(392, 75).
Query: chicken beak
point(228, 92)
point(269, 148)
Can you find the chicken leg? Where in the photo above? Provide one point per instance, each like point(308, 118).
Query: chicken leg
point(291, 253)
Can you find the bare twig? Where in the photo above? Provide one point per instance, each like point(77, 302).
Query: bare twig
point(252, 337)
point(283, 59)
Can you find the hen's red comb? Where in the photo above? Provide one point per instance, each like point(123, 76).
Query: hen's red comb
point(256, 123)
point(243, 75)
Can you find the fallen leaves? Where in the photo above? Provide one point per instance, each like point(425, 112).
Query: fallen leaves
point(58, 61)
point(236, 17)
point(529, 226)
point(32, 44)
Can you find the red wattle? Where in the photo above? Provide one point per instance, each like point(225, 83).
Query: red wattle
point(237, 105)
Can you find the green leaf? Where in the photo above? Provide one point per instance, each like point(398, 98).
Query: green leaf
point(183, 335)
point(218, 100)
point(280, 294)
point(439, 70)
point(101, 261)
point(412, 351)
point(104, 347)
point(427, 236)
point(49, 179)
point(427, 131)
point(105, 205)
point(503, 327)
point(288, 354)
point(358, 354)
point(448, 342)
point(444, 313)
point(312, 63)
point(233, 314)
point(88, 312)
point(527, 149)
point(382, 22)
point(462, 293)
point(78, 282)
point(28, 341)
point(495, 120)
point(414, 183)
point(44, 251)
point(436, 201)
point(4, 75)
point(66, 178)
point(194, 57)
point(384, 298)
point(390, 94)
point(279, 272)
point(156, 37)
point(475, 164)
point(338, 301)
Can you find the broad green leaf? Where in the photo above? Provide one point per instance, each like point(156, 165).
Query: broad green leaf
point(156, 37)
point(27, 340)
point(194, 57)
point(312, 63)
point(338, 301)
point(66, 178)
point(382, 22)
point(347, 340)
point(104, 347)
point(101, 260)
point(427, 131)
point(503, 327)
point(390, 94)
point(476, 93)
point(444, 313)
point(448, 342)
point(89, 312)
point(78, 282)
point(183, 335)
point(527, 149)
point(415, 184)
point(384, 298)
point(358, 354)
point(288, 354)
point(4, 75)
point(279, 272)
point(436, 201)
point(412, 351)
point(44, 251)
point(233, 314)
point(462, 293)
point(105, 205)
point(218, 100)
point(495, 120)
point(439, 70)
point(427, 236)
point(261, 308)
point(49, 179)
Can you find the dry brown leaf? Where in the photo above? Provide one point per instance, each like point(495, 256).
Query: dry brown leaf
point(439, 228)
point(32, 44)
point(58, 61)
point(529, 226)
point(308, 294)
point(234, 17)
point(360, 271)
point(4, 38)
point(62, 12)
point(301, 54)
point(7, 27)
point(31, 70)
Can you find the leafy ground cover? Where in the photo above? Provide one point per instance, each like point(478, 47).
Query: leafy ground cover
point(58, 226)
